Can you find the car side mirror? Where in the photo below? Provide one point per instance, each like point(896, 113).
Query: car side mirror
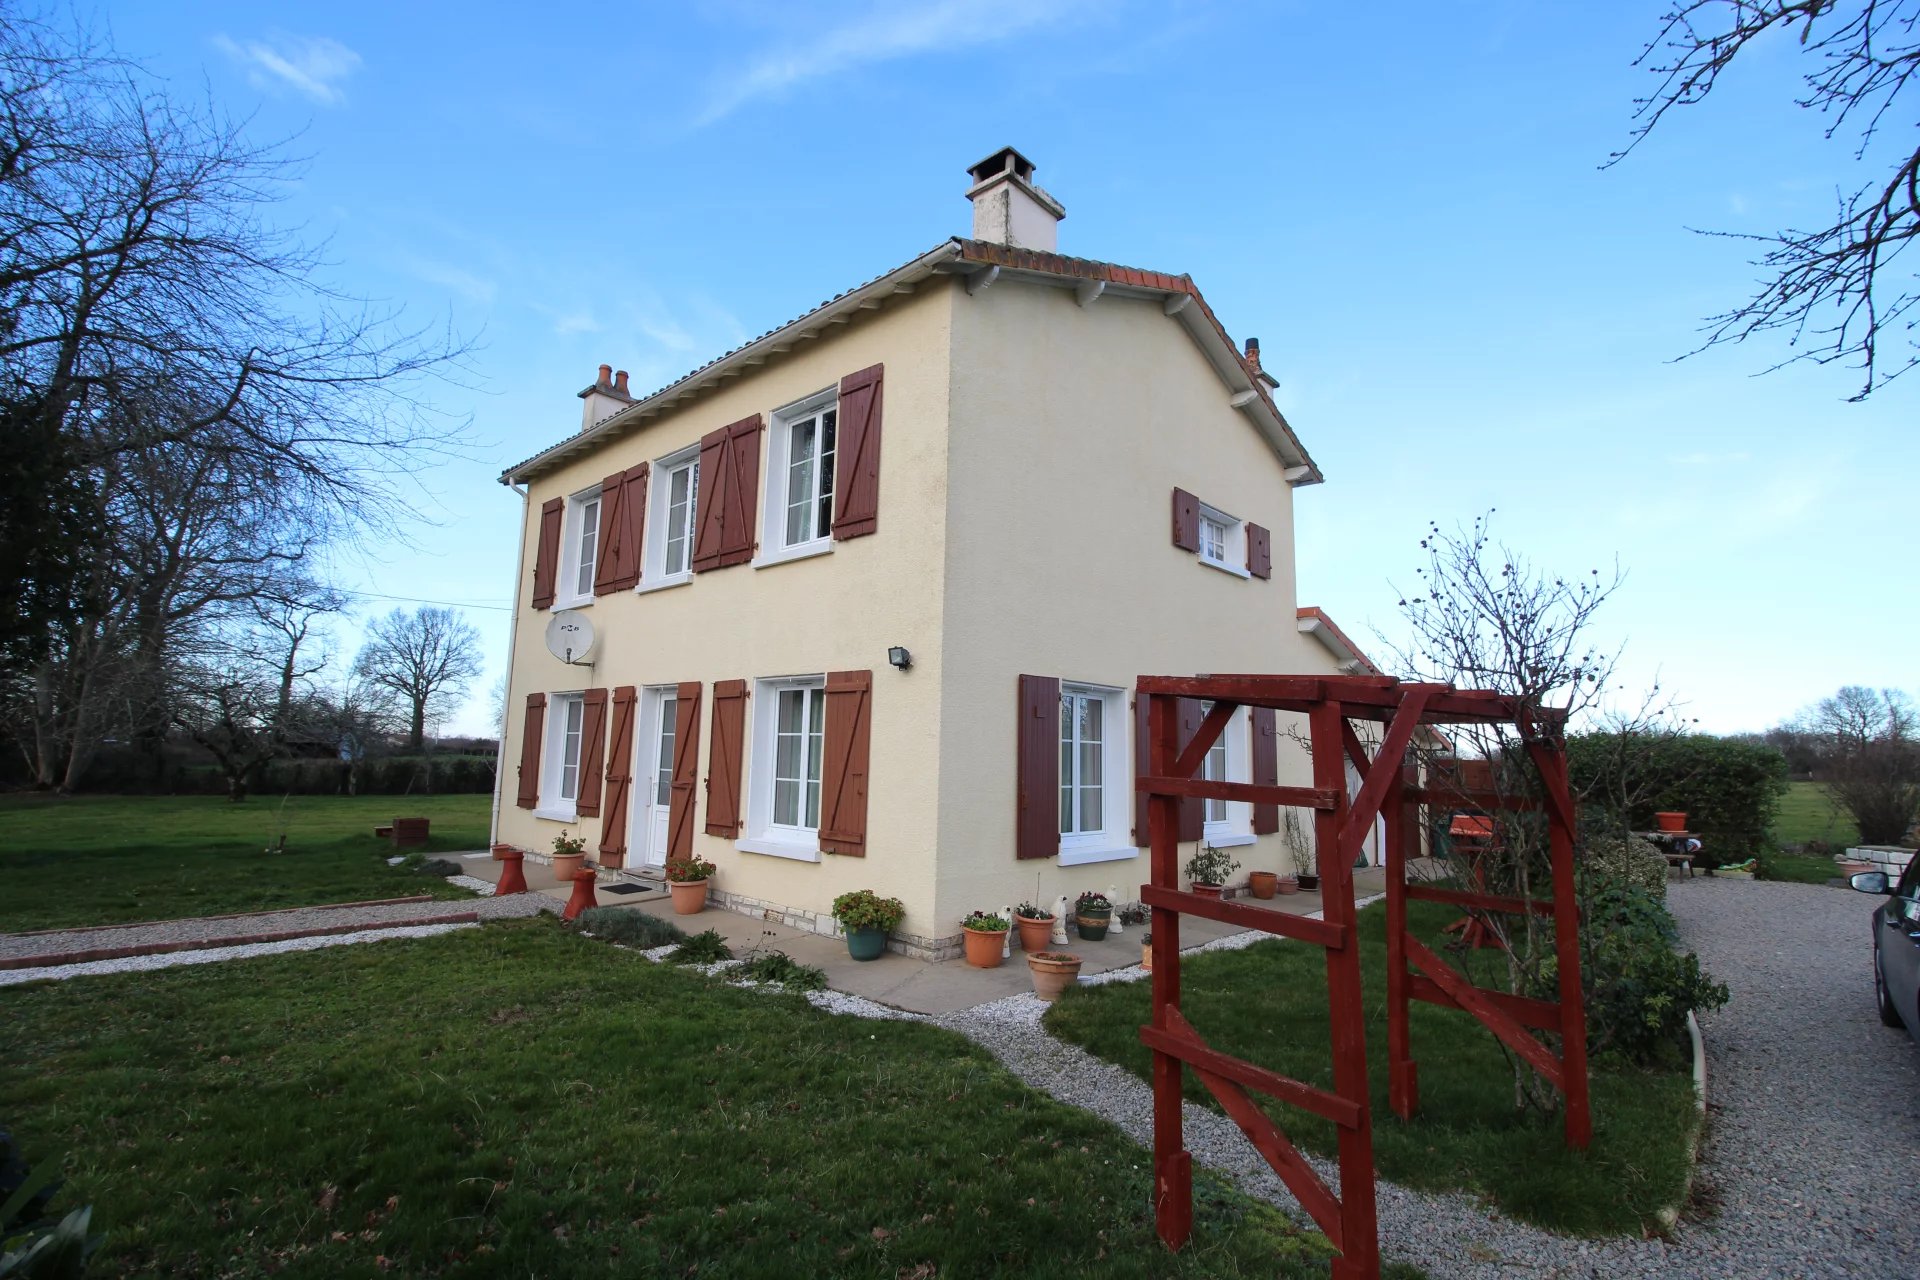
point(1870, 882)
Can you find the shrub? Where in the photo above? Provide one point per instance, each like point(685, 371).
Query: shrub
point(780, 968)
point(1729, 790)
point(1209, 865)
point(1638, 987)
point(701, 948)
point(1622, 861)
point(689, 870)
point(32, 1245)
point(629, 927)
point(865, 909)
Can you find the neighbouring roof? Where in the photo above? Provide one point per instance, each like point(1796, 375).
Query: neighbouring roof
point(982, 262)
point(1313, 621)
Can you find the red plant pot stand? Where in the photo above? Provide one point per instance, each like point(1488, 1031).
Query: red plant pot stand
point(513, 877)
point(582, 894)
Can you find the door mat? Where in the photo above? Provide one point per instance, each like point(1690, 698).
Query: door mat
point(627, 887)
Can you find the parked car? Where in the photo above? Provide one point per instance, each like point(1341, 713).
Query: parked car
point(1896, 945)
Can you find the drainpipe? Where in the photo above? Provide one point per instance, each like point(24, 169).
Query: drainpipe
point(506, 702)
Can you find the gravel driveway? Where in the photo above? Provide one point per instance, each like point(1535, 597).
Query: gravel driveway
point(1813, 1137)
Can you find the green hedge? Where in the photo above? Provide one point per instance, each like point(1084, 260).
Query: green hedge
point(392, 776)
point(1728, 790)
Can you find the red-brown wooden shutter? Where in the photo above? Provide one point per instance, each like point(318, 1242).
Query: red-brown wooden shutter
point(593, 751)
point(1037, 817)
point(623, 513)
point(686, 769)
point(546, 558)
point(856, 458)
point(729, 496)
point(1264, 765)
point(1142, 764)
point(613, 815)
point(1259, 551)
point(843, 773)
point(1186, 520)
point(1193, 812)
point(530, 750)
point(723, 757)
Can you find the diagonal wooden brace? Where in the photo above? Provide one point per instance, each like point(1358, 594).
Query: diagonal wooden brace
point(1495, 1019)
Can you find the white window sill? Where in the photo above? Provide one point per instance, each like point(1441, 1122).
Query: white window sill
point(568, 814)
point(1072, 856)
point(661, 584)
point(1228, 839)
point(572, 602)
point(804, 551)
point(1225, 568)
point(793, 849)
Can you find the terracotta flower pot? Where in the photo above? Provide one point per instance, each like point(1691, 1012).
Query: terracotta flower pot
point(1286, 886)
point(689, 896)
point(1053, 972)
point(1208, 890)
point(1263, 883)
point(568, 865)
point(1670, 821)
point(983, 947)
point(1035, 935)
point(1093, 928)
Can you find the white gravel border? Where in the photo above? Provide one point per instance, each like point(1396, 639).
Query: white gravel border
point(212, 955)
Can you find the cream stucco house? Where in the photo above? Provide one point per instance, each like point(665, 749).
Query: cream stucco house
point(870, 592)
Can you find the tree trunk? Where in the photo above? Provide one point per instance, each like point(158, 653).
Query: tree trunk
point(417, 735)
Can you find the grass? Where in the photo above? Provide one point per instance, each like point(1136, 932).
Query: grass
point(578, 1112)
point(1268, 1004)
point(1807, 813)
point(81, 860)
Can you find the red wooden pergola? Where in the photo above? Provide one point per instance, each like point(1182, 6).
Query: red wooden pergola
point(1341, 823)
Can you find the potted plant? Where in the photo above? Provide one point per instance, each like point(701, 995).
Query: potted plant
point(1670, 821)
point(1300, 847)
point(1035, 925)
point(687, 881)
point(986, 934)
point(1286, 885)
point(1146, 951)
point(1263, 884)
point(569, 857)
point(1053, 972)
point(1210, 869)
point(1093, 912)
point(867, 918)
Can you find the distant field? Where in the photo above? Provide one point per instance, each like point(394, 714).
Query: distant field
point(78, 860)
point(1807, 813)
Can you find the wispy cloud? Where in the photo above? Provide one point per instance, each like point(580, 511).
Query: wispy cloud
point(882, 34)
point(472, 287)
point(312, 66)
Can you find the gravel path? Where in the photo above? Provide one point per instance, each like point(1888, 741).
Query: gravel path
point(211, 930)
point(172, 959)
point(1813, 1138)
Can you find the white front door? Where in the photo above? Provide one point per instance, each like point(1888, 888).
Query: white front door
point(654, 778)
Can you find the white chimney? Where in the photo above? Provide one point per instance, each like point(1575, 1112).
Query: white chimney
point(1008, 208)
point(607, 396)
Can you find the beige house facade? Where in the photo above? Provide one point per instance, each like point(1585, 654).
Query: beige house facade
point(869, 594)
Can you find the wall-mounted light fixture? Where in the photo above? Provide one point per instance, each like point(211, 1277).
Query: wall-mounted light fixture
point(899, 657)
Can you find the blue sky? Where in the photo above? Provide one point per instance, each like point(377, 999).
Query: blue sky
point(1404, 203)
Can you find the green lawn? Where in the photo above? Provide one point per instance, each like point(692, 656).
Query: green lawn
point(1807, 812)
point(519, 1101)
point(77, 860)
point(1268, 1004)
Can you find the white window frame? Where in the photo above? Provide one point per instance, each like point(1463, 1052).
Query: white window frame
point(1232, 557)
point(553, 751)
point(567, 594)
point(1235, 827)
point(1114, 841)
point(763, 834)
point(775, 549)
point(654, 575)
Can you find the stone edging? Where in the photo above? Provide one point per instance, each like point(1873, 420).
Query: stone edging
point(1669, 1216)
point(88, 956)
point(235, 915)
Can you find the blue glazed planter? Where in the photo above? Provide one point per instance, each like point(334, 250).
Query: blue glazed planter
point(866, 944)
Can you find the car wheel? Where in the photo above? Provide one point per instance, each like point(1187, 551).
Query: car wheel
point(1889, 1015)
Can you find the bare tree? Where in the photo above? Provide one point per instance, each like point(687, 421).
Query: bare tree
point(1872, 766)
point(1833, 290)
point(426, 658)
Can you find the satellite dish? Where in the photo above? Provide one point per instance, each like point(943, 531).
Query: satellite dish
point(570, 636)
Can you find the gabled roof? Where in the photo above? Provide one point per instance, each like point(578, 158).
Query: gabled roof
point(1313, 621)
point(982, 263)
